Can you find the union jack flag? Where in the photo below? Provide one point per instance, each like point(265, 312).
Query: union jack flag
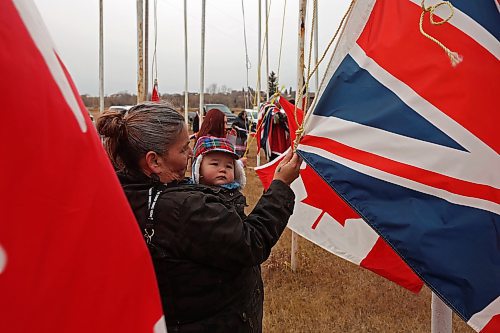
point(411, 142)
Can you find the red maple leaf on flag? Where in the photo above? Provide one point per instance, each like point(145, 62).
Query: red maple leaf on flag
point(324, 197)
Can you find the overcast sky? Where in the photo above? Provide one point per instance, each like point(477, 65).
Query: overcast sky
point(74, 26)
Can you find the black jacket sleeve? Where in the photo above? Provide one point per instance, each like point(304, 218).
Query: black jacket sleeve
point(214, 234)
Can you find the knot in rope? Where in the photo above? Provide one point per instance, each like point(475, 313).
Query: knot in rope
point(455, 58)
point(299, 133)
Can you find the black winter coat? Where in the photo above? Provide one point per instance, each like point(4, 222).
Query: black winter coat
point(207, 254)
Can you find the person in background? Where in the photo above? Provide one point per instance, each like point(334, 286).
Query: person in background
point(214, 124)
point(241, 127)
point(204, 253)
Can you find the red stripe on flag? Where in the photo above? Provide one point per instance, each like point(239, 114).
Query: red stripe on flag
point(463, 92)
point(385, 262)
point(419, 175)
point(493, 325)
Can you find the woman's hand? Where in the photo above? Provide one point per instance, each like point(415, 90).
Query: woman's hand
point(288, 169)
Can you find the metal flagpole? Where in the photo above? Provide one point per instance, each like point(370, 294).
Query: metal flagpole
point(101, 58)
point(146, 49)
point(441, 316)
point(186, 93)
point(300, 86)
point(202, 67)
point(258, 68)
point(140, 52)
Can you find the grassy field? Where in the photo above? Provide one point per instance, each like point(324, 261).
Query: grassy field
point(330, 294)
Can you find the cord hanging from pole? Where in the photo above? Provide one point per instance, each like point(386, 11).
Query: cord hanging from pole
point(155, 95)
point(281, 43)
point(248, 65)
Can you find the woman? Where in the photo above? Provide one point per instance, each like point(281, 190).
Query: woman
point(214, 124)
point(205, 255)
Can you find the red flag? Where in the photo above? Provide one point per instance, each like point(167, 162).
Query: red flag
point(72, 258)
point(155, 96)
point(289, 109)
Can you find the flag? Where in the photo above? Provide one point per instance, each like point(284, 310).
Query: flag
point(155, 96)
point(72, 258)
point(326, 220)
point(411, 143)
point(323, 218)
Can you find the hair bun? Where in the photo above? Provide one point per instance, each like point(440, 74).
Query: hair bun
point(111, 124)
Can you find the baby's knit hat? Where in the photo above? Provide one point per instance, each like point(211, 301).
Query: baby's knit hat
point(207, 144)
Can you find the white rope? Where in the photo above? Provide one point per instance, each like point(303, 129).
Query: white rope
point(248, 65)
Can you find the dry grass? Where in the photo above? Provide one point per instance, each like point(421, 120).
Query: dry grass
point(329, 294)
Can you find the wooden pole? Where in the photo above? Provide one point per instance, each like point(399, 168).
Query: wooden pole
point(101, 58)
point(298, 100)
point(140, 51)
point(146, 49)
point(258, 66)
point(186, 93)
point(441, 316)
point(202, 67)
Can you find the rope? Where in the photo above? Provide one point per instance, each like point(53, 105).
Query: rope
point(281, 44)
point(300, 131)
point(154, 63)
point(455, 58)
point(248, 65)
point(262, 54)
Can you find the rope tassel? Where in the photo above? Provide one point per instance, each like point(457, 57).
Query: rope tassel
point(455, 58)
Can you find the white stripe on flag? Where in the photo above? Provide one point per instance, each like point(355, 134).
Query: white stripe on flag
point(426, 109)
point(479, 320)
point(41, 38)
point(450, 197)
point(3, 259)
point(160, 326)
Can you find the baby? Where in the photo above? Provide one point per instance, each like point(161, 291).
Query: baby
point(216, 163)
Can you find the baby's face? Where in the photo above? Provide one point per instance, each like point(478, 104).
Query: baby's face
point(217, 168)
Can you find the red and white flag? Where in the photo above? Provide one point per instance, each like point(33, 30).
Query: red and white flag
point(72, 258)
point(323, 218)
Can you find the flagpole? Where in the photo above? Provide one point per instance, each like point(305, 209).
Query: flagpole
point(186, 93)
point(101, 58)
point(441, 316)
point(258, 67)
point(202, 67)
point(300, 85)
point(140, 52)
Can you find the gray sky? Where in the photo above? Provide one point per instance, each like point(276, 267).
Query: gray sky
point(74, 26)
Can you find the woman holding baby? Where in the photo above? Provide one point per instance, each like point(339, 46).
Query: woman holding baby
point(205, 250)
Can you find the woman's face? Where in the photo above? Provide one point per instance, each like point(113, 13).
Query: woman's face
point(174, 161)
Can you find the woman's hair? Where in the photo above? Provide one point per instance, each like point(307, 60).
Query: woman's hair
point(145, 127)
point(213, 124)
